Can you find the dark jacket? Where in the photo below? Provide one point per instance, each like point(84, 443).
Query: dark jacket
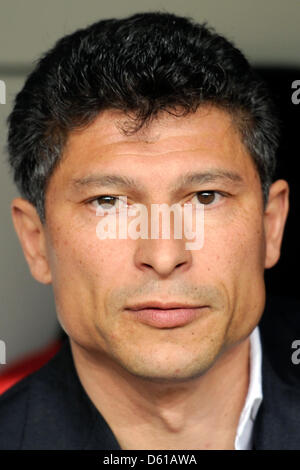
point(50, 410)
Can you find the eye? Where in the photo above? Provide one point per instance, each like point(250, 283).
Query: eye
point(109, 202)
point(208, 198)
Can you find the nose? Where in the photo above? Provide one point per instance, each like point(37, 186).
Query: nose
point(163, 256)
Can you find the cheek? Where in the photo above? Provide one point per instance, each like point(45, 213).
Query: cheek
point(238, 253)
point(85, 268)
point(235, 242)
point(249, 244)
point(233, 258)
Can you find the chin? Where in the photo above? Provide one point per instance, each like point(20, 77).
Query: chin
point(167, 377)
point(179, 369)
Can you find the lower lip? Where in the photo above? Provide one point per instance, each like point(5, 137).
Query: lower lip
point(166, 318)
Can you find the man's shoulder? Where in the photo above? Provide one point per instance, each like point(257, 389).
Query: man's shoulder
point(280, 329)
point(37, 402)
point(277, 425)
point(50, 410)
point(52, 370)
point(13, 404)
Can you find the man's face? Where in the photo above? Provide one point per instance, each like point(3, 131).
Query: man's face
point(96, 281)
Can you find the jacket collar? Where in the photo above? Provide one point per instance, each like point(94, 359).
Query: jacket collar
point(277, 425)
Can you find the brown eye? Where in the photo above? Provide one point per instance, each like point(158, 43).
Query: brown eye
point(106, 202)
point(109, 203)
point(206, 197)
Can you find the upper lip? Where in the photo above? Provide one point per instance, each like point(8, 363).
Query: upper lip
point(162, 305)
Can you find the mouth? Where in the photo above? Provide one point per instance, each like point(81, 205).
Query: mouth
point(165, 315)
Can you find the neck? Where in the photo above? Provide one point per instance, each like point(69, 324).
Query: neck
point(202, 413)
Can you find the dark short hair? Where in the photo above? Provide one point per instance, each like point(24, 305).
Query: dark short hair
point(141, 65)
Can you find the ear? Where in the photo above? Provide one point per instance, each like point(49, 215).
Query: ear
point(31, 233)
point(274, 220)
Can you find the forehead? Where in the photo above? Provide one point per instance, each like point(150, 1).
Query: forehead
point(207, 138)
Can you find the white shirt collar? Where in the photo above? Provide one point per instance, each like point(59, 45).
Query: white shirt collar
point(244, 435)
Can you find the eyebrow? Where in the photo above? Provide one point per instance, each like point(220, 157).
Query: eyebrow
point(218, 175)
point(127, 182)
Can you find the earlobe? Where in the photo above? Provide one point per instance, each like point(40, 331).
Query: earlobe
point(274, 220)
point(31, 234)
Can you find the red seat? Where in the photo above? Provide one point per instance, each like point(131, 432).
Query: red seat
point(27, 365)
